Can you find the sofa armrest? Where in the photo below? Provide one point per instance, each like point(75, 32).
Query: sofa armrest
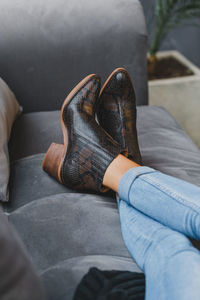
point(49, 46)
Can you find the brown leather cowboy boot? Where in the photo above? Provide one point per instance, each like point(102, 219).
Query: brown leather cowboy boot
point(88, 149)
point(116, 112)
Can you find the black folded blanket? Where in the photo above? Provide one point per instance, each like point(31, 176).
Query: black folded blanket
point(111, 285)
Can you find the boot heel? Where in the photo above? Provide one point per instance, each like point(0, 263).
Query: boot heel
point(52, 160)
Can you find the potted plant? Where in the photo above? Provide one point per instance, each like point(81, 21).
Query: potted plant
point(174, 81)
point(168, 15)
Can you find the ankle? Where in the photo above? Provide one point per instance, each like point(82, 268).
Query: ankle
point(118, 167)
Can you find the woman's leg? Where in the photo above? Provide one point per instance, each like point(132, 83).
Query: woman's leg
point(170, 201)
point(171, 264)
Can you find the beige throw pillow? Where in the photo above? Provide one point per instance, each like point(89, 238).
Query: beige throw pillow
point(9, 108)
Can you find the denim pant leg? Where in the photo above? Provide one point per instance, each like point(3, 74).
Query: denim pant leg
point(170, 263)
point(168, 200)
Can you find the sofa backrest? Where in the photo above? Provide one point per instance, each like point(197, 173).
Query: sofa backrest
point(48, 46)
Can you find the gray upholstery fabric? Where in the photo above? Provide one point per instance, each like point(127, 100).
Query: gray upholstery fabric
point(29, 182)
point(66, 233)
point(72, 271)
point(18, 279)
point(165, 146)
point(69, 225)
point(33, 133)
point(47, 47)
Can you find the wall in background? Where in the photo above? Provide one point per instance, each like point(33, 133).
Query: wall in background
point(186, 39)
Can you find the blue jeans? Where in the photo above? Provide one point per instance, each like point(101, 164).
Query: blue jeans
point(157, 212)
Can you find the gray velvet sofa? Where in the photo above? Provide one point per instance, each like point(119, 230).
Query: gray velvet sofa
point(46, 47)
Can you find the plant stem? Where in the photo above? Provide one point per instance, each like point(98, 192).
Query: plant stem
point(157, 41)
point(168, 15)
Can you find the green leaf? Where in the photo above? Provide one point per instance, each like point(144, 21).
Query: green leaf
point(170, 14)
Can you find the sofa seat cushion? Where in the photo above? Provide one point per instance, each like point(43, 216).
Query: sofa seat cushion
point(165, 146)
point(163, 143)
point(59, 226)
point(62, 279)
point(67, 225)
point(29, 182)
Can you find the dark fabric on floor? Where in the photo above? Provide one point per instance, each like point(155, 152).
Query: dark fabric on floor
point(111, 285)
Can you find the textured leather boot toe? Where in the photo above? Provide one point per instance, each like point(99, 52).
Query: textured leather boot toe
point(88, 149)
point(116, 112)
